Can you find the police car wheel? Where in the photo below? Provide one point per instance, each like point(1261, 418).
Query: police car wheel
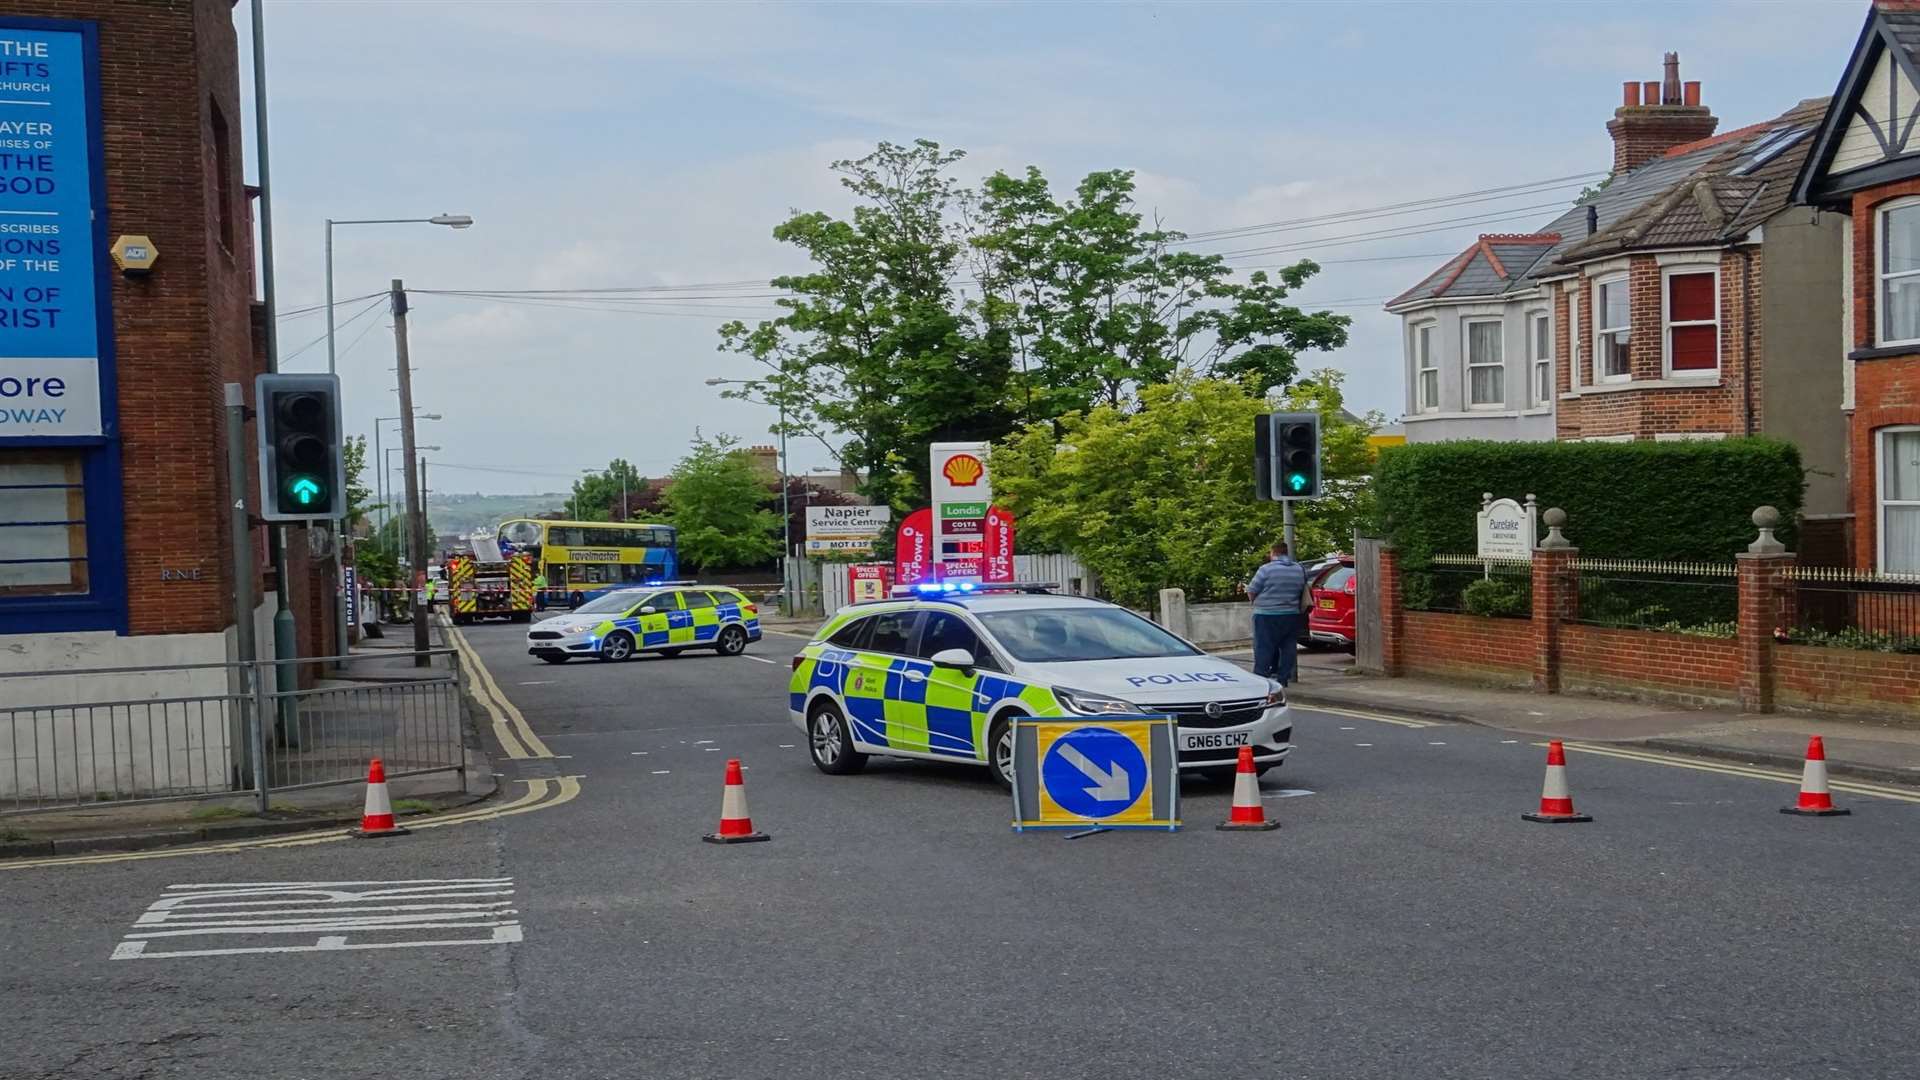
point(617, 647)
point(733, 641)
point(1000, 740)
point(830, 744)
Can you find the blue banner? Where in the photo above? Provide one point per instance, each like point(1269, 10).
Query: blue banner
point(49, 326)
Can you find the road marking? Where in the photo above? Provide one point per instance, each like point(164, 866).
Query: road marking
point(1286, 793)
point(711, 749)
point(522, 743)
point(786, 746)
point(332, 913)
point(702, 742)
point(539, 682)
point(1346, 727)
point(639, 753)
point(1508, 742)
point(661, 772)
point(760, 659)
point(541, 794)
point(1363, 744)
point(1436, 744)
point(1399, 720)
point(1750, 772)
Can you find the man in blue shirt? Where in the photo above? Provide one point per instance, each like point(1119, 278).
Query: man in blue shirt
point(1278, 589)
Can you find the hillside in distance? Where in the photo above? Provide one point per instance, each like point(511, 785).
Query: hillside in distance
point(456, 514)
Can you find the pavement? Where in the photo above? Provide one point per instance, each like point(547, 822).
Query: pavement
point(1404, 922)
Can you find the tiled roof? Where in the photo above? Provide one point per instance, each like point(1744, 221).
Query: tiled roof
point(1488, 268)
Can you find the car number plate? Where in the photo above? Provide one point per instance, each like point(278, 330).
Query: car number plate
point(1214, 740)
point(1328, 604)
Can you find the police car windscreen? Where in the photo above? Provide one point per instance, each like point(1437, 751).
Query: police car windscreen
point(618, 600)
point(1046, 636)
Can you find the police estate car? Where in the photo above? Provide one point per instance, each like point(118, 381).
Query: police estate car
point(660, 619)
point(942, 674)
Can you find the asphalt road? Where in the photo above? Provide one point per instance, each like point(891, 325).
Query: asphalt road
point(1403, 923)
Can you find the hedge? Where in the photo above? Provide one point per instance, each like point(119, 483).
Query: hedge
point(1678, 501)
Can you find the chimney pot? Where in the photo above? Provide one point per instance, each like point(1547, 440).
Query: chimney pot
point(1629, 95)
point(1670, 84)
point(1657, 117)
point(1650, 93)
point(1593, 219)
point(1693, 93)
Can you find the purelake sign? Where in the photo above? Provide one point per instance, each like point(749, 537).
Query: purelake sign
point(1507, 529)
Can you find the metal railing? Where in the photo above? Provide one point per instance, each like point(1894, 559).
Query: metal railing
point(1854, 609)
point(194, 737)
point(1470, 585)
point(1698, 598)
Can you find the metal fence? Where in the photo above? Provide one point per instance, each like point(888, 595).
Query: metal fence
point(1854, 609)
point(1470, 585)
point(1677, 597)
point(193, 738)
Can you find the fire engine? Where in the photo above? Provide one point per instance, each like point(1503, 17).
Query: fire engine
point(487, 584)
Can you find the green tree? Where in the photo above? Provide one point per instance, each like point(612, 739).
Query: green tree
point(392, 537)
point(1162, 495)
point(597, 496)
point(720, 505)
point(353, 459)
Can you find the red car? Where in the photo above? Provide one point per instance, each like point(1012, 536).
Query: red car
point(1330, 623)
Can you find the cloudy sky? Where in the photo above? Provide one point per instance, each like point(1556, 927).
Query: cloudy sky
point(630, 145)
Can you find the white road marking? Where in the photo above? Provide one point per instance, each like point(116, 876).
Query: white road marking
point(639, 753)
point(1400, 721)
point(711, 749)
point(1363, 744)
point(1346, 727)
point(786, 746)
point(1286, 793)
point(701, 742)
point(1508, 742)
point(760, 659)
point(539, 682)
point(332, 913)
point(661, 772)
point(1436, 744)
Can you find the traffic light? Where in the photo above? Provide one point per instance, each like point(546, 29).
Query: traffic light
point(1289, 449)
point(302, 471)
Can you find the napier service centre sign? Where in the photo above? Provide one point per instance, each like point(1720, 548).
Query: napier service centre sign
point(49, 314)
point(847, 529)
point(1507, 528)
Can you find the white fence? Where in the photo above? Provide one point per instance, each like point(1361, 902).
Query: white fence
point(822, 587)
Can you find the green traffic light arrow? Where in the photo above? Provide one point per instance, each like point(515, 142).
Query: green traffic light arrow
point(1297, 481)
point(306, 489)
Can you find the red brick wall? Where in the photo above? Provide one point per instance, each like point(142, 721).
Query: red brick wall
point(181, 331)
point(1605, 657)
point(1886, 390)
point(1649, 411)
point(1812, 676)
point(1438, 643)
point(1642, 133)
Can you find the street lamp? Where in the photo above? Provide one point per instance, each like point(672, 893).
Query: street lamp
point(386, 469)
point(623, 488)
point(786, 513)
point(452, 221)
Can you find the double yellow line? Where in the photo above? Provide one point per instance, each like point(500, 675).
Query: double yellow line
point(516, 736)
point(541, 794)
point(1751, 772)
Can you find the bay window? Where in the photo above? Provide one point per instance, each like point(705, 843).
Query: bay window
point(1691, 306)
point(1612, 330)
point(1899, 500)
point(1486, 367)
point(1540, 356)
point(1899, 291)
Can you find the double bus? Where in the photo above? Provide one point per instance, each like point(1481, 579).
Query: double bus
point(584, 560)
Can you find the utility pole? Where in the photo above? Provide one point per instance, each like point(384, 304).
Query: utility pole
point(241, 532)
point(416, 517)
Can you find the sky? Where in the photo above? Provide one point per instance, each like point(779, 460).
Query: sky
point(638, 145)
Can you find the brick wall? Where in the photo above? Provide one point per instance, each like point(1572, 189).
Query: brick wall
point(1810, 676)
point(1886, 390)
point(180, 332)
point(1601, 657)
point(1439, 643)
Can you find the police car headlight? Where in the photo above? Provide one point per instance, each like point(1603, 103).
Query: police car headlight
point(1276, 694)
point(1086, 704)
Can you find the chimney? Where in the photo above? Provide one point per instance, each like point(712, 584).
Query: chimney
point(1655, 117)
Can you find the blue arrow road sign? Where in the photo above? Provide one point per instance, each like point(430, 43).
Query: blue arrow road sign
point(1094, 772)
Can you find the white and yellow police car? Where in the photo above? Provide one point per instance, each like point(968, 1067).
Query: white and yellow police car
point(940, 672)
point(666, 619)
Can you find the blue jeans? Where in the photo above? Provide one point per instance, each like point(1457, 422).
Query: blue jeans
point(1276, 645)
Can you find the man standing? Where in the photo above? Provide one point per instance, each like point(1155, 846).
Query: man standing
point(1276, 591)
point(540, 591)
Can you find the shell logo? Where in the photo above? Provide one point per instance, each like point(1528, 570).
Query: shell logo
point(963, 470)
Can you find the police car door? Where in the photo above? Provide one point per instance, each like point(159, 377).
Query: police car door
point(886, 686)
point(656, 625)
point(956, 713)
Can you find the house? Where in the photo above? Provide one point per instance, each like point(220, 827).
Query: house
point(1864, 167)
point(1683, 300)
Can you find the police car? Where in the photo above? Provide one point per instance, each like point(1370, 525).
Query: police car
point(940, 672)
point(668, 618)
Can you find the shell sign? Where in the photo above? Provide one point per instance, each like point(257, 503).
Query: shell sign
point(963, 470)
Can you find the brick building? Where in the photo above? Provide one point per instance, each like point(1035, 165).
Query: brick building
point(1865, 165)
point(122, 119)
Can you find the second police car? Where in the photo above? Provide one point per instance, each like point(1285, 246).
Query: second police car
point(941, 675)
point(664, 618)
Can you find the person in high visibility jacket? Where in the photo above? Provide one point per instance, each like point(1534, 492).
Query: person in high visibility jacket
point(540, 591)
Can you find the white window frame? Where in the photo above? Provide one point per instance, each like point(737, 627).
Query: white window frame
point(1880, 274)
point(1467, 365)
point(1542, 399)
point(1574, 382)
point(1424, 361)
point(1600, 377)
point(1667, 274)
point(1883, 438)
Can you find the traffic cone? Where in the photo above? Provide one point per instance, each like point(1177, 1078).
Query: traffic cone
point(1556, 806)
point(736, 826)
point(1247, 813)
point(378, 818)
point(1815, 800)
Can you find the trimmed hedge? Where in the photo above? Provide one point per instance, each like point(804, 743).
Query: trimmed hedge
point(1678, 501)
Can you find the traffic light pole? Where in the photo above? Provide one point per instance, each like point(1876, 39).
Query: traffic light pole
point(1286, 526)
point(416, 517)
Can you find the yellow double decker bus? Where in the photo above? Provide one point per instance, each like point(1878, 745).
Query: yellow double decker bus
point(584, 560)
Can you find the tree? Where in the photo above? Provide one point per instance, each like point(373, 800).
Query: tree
point(353, 459)
point(718, 502)
point(393, 537)
point(1162, 495)
point(597, 496)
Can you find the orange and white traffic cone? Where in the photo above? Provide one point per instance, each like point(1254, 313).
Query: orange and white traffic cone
point(1247, 813)
point(736, 826)
point(1815, 800)
point(377, 820)
point(1556, 805)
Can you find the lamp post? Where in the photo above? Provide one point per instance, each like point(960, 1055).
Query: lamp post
point(786, 513)
point(452, 221)
point(623, 487)
point(387, 469)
